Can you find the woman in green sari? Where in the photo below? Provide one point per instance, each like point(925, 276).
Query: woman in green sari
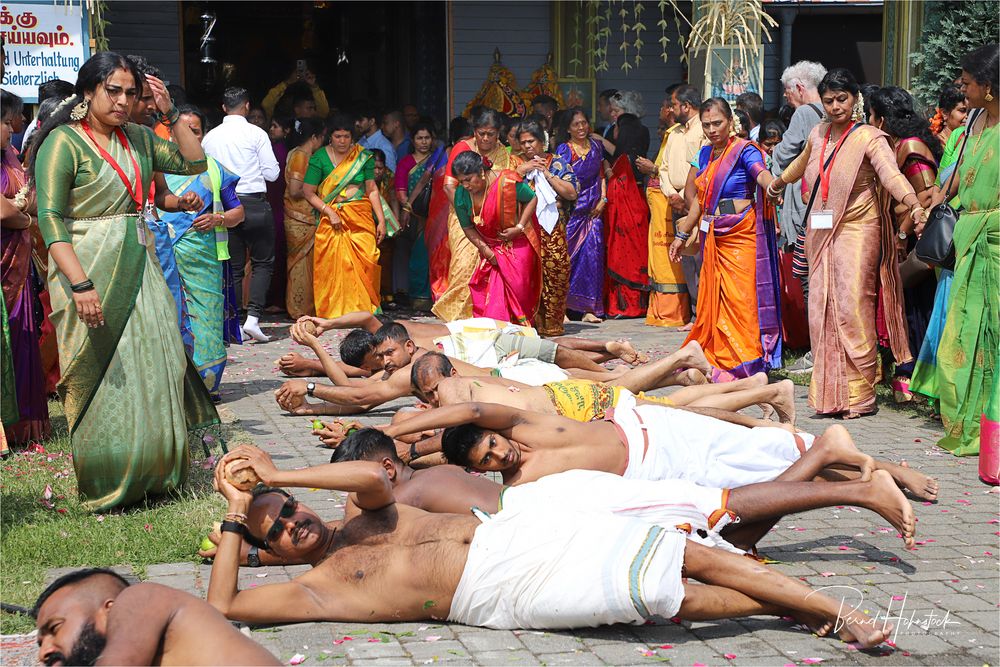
point(967, 355)
point(130, 393)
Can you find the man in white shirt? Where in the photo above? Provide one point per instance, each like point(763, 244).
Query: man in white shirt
point(245, 150)
point(370, 136)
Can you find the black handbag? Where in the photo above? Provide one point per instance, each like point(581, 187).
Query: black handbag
point(937, 245)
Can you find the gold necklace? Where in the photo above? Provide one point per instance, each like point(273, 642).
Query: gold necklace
point(477, 218)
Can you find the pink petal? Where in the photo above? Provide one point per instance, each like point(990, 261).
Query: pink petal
point(432, 638)
point(729, 656)
point(297, 659)
point(812, 661)
point(665, 646)
point(827, 574)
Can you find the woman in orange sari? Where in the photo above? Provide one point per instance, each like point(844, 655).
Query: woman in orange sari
point(340, 186)
point(456, 302)
point(738, 321)
point(851, 248)
point(507, 280)
point(300, 222)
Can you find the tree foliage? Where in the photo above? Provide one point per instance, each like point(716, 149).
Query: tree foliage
point(951, 30)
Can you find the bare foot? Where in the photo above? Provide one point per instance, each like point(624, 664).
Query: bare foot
point(853, 626)
point(756, 380)
point(590, 318)
point(917, 483)
point(767, 411)
point(784, 401)
point(694, 357)
point(686, 327)
point(689, 377)
point(839, 447)
point(624, 350)
point(294, 364)
point(815, 623)
point(881, 495)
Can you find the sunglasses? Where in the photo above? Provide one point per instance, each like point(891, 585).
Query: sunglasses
point(287, 510)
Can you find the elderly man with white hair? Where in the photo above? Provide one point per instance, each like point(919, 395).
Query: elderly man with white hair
point(800, 81)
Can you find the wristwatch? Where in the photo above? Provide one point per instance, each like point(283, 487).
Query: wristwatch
point(253, 557)
point(310, 388)
point(901, 235)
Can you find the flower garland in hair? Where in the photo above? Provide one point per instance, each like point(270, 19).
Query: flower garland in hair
point(858, 113)
point(545, 133)
point(937, 122)
point(736, 127)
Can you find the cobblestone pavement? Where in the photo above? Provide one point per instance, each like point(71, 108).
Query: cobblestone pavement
point(945, 591)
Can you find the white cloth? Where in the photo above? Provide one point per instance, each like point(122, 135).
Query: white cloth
point(245, 150)
point(489, 324)
point(533, 372)
point(547, 209)
point(673, 504)
point(666, 443)
point(550, 570)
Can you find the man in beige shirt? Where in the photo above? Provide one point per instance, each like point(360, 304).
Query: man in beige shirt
point(682, 147)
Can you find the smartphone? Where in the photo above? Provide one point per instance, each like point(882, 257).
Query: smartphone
point(300, 67)
point(727, 207)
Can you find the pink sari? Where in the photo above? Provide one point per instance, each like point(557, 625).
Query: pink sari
point(510, 290)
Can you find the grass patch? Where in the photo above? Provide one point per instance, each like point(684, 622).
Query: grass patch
point(39, 533)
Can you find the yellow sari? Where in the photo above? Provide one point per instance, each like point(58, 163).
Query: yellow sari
point(456, 302)
point(346, 273)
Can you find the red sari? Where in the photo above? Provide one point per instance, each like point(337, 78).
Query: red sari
point(627, 230)
point(510, 290)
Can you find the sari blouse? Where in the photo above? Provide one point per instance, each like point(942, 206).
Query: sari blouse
point(68, 177)
point(296, 166)
point(742, 181)
point(463, 203)
point(403, 168)
point(917, 163)
point(320, 166)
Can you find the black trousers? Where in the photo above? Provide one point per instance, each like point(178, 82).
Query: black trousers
point(254, 237)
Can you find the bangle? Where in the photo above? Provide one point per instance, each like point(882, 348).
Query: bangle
point(231, 527)
point(519, 227)
point(82, 286)
point(681, 235)
point(237, 517)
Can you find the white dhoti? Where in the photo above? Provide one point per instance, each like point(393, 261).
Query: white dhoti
point(667, 443)
point(551, 570)
point(676, 504)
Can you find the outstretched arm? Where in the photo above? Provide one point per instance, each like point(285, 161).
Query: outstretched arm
point(363, 397)
point(333, 371)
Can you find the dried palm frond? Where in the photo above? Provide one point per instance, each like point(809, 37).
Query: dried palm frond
point(729, 22)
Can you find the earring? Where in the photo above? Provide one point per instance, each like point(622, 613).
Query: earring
point(79, 112)
point(858, 114)
point(989, 96)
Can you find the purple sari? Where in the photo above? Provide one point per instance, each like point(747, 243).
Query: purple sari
point(584, 234)
point(24, 314)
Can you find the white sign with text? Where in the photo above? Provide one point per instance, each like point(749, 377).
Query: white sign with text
point(42, 41)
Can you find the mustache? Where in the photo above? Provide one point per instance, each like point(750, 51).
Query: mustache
point(54, 658)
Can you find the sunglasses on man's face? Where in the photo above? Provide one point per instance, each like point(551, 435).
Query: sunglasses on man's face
point(287, 510)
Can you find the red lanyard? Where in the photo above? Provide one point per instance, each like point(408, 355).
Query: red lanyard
point(134, 192)
point(826, 170)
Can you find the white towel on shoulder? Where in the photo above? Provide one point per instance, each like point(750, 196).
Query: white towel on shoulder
point(547, 210)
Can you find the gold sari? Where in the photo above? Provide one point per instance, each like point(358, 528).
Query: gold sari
point(346, 271)
point(300, 234)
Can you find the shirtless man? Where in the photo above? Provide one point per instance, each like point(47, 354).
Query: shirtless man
point(525, 570)
point(741, 516)
point(644, 442)
point(436, 382)
point(395, 352)
point(424, 333)
point(95, 616)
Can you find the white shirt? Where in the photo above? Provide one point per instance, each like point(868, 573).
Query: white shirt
point(245, 150)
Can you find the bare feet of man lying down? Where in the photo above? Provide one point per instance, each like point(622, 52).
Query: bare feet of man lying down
point(295, 365)
point(624, 350)
point(917, 483)
point(837, 447)
point(782, 401)
point(881, 495)
point(694, 357)
point(689, 377)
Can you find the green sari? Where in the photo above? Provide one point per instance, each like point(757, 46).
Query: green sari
point(9, 413)
point(967, 354)
point(129, 391)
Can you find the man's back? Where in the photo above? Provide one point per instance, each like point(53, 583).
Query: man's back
point(494, 390)
point(245, 150)
point(158, 625)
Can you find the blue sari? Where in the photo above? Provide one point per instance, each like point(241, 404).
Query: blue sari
point(199, 281)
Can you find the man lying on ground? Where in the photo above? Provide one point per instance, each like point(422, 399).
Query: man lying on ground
point(424, 334)
point(516, 569)
point(739, 516)
point(638, 442)
point(436, 382)
point(396, 352)
point(95, 616)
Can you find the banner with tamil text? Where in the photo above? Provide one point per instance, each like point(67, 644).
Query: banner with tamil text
point(42, 41)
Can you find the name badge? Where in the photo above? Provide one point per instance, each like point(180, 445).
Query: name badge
point(705, 225)
point(141, 223)
point(821, 220)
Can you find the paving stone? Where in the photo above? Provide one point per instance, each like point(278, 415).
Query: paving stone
point(501, 658)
